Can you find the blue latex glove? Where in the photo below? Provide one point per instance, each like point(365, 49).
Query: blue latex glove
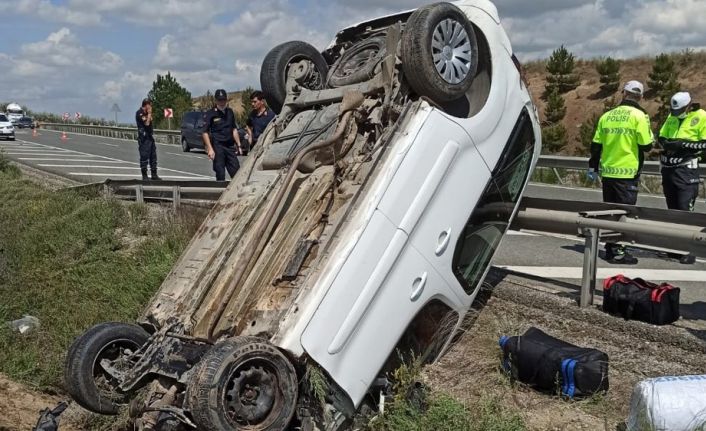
point(592, 175)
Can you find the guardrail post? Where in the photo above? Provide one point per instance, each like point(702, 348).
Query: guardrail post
point(176, 197)
point(139, 194)
point(590, 263)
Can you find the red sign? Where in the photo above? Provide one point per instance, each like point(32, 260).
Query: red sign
point(66, 116)
point(168, 113)
point(78, 115)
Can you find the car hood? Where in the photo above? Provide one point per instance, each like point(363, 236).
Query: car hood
point(5, 123)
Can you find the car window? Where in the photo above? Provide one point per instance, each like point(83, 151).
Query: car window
point(489, 221)
point(3, 118)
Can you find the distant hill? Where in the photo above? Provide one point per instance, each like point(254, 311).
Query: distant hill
point(586, 100)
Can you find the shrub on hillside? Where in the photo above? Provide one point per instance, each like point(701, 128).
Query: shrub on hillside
point(609, 69)
point(560, 67)
point(554, 138)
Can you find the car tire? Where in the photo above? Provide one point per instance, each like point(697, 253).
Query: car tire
point(275, 66)
point(439, 52)
point(85, 380)
point(358, 63)
point(222, 381)
point(185, 145)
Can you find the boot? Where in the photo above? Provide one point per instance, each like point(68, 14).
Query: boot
point(144, 174)
point(155, 177)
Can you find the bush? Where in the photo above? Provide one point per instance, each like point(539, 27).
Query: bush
point(556, 108)
point(560, 67)
point(609, 69)
point(554, 139)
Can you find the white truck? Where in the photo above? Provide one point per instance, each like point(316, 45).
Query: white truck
point(357, 233)
point(14, 112)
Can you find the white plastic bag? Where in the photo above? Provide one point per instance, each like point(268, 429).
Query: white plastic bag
point(669, 404)
point(25, 324)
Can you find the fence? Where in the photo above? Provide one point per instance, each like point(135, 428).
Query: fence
point(129, 133)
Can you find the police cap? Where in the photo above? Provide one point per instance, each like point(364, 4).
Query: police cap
point(221, 94)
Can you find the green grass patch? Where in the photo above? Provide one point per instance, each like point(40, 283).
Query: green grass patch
point(416, 408)
point(73, 261)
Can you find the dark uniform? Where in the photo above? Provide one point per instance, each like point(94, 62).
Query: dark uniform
point(683, 139)
point(622, 137)
point(220, 125)
point(258, 123)
point(146, 145)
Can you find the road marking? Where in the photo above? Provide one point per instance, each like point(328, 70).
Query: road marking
point(53, 159)
point(519, 233)
point(83, 174)
point(576, 273)
point(104, 143)
point(44, 165)
point(36, 153)
point(122, 161)
point(185, 155)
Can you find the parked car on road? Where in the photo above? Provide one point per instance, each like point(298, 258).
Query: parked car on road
point(7, 130)
point(191, 130)
point(25, 123)
point(355, 236)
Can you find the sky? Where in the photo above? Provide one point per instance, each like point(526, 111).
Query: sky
point(85, 55)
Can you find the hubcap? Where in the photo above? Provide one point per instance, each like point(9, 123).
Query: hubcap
point(451, 51)
point(251, 395)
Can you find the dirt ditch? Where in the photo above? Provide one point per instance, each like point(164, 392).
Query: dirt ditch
point(471, 370)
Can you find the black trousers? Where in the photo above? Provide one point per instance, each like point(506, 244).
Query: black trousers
point(225, 159)
point(681, 187)
point(148, 151)
point(619, 191)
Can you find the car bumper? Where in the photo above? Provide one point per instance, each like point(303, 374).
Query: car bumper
point(5, 134)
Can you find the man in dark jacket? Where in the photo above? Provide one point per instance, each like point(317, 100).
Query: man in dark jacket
point(220, 137)
point(145, 140)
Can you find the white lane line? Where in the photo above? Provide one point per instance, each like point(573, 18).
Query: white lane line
point(104, 143)
point(124, 161)
point(518, 233)
point(576, 273)
point(36, 153)
point(184, 155)
point(44, 165)
point(63, 159)
point(83, 174)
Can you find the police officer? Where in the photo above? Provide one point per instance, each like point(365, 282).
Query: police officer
point(622, 137)
point(145, 140)
point(683, 138)
point(259, 118)
point(220, 137)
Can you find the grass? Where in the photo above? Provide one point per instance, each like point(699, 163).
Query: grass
point(416, 408)
point(73, 261)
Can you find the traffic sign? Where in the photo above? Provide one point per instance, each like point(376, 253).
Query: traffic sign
point(78, 115)
point(66, 116)
point(168, 113)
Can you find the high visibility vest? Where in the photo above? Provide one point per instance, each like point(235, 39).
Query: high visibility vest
point(621, 131)
point(692, 128)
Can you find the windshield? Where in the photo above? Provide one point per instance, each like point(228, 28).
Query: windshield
point(14, 111)
point(3, 118)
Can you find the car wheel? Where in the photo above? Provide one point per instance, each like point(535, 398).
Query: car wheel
point(185, 145)
point(358, 63)
point(439, 52)
point(85, 379)
point(275, 66)
point(243, 383)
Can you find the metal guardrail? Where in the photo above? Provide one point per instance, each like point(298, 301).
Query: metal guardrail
point(581, 164)
point(129, 133)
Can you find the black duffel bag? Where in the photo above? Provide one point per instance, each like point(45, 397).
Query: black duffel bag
point(553, 365)
point(641, 300)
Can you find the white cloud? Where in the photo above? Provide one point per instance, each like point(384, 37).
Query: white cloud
point(48, 11)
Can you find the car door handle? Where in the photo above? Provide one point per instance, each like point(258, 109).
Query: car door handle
point(444, 239)
point(418, 287)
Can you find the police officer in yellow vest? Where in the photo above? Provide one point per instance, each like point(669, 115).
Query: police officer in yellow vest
point(683, 139)
point(622, 137)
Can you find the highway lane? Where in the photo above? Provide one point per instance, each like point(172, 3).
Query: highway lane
point(92, 159)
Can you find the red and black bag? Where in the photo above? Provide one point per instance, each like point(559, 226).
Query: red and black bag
point(641, 300)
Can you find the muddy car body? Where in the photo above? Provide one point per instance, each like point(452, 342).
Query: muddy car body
point(355, 236)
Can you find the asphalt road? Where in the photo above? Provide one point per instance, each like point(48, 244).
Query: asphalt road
point(93, 159)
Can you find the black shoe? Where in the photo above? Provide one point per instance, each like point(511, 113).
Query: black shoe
point(155, 177)
point(623, 259)
point(688, 259)
point(144, 175)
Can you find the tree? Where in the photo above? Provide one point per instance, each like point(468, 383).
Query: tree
point(208, 101)
point(553, 138)
point(560, 67)
point(664, 72)
point(586, 133)
point(168, 93)
point(664, 97)
point(244, 112)
point(556, 108)
point(609, 69)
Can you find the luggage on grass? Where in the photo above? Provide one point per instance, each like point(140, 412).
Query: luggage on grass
point(637, 299)
point(550, 364)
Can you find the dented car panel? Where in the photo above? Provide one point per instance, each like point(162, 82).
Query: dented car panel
point(358, 230)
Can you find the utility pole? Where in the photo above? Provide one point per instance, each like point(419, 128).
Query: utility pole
point(115, 109)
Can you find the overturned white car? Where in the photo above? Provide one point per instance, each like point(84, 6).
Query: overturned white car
point(356, 235)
